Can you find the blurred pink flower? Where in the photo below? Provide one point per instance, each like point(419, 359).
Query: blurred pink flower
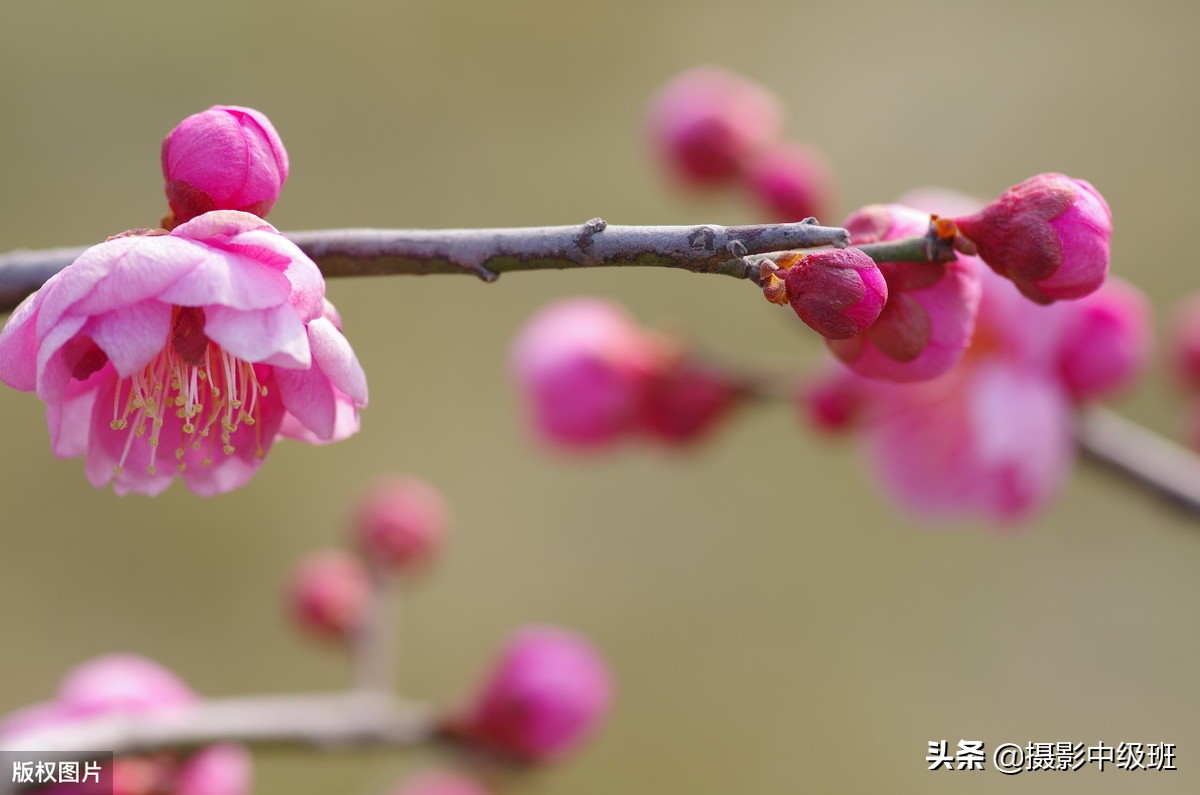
point(440, 782)
point(706, 122)
point(224, 158)
point(791, 181)
point(546, 694)
point(993, 436)
point(211, 340)
point(131, 685)
point(930, 312)
point(1050, 235)
point(329, 594)
point(582, 365)
point(400, 522)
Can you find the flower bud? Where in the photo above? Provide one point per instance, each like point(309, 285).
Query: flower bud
point(791, 182)
point(837, 292)
point(216, 770)
point(581, 365)
point(121, 683)
point(1185, 343)
point(399, 523)
point(548, 691)
point(1104, 341)
point(330, 594)
point(706, 122)
point(224, 158)
point(684, 401)
point(833, 401)
point(929, 317)
point(1050, 235)
point(440, 782)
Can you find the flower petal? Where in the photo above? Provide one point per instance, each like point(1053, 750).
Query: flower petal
point(334, 356)
point(19, 346)
point(70, 420)
point(269, 336)
point(132, 336)
point(309, 397)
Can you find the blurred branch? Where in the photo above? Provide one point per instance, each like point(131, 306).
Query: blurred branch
point(1141, 455)
point(336, 721)
point(373, 647)
point(487, 253)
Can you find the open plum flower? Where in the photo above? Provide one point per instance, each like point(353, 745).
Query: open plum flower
point(185, 353)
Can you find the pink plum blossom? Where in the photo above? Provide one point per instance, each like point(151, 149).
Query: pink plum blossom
point(790, 181)
point(131, 685)
point(930, 312)
point(399, 523)
point(184, 354)
point(1050, 235)
point(329, 594)
point(224, 158)
point(706, 122)
point(839, 293)
point(582, 365)
point(993, 436)
point(440, 782)
point(547, 693)
point(683, 401)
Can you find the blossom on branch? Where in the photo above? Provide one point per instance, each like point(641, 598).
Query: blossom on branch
point(126, 684)
point(184, 354)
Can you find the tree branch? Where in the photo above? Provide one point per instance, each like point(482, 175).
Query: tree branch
point(335, 721)
point(487, 253)
point(1163, 467)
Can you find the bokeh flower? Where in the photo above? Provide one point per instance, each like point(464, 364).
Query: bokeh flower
point(183, 354)
point(126, 684)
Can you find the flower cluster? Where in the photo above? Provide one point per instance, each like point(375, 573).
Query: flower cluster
point(993, 436)
point(714, 128)
point(591, 377)
point(131, 685)
point(188, 353)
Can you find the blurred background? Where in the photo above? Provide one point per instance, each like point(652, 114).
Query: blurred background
point(774, 625)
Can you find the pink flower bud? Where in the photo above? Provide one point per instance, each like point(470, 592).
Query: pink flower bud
point(1185, 343)
point(1104, 341)
point(1049, 235)
point(121, 683)
point(581, 365)
point(440, 782)
point(837, 292)
point(399, 523)
point(707, 121)
point(216, 770)
point(791, 182)
point(834, 401)
point(548, 691)
point(929, 317)
point(330, 594)
point(224, 158)
point(684, 401)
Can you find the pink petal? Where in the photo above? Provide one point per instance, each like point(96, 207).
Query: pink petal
point(271, 336)
point(134, 335)
point(345, 423)
point(230, 280)
point(19, 346)
point(54, 370)
point(149, 266)
point(335, 358)
point(70, 421)
point(309, 397)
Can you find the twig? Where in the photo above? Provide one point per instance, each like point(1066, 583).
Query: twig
point(335, 721)
point(1145, 457)
point(373, 647)
point(487, 253)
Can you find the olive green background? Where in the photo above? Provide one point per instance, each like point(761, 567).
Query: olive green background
point(773, 624)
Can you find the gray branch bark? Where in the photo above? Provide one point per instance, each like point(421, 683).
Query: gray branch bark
point(487, 253)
